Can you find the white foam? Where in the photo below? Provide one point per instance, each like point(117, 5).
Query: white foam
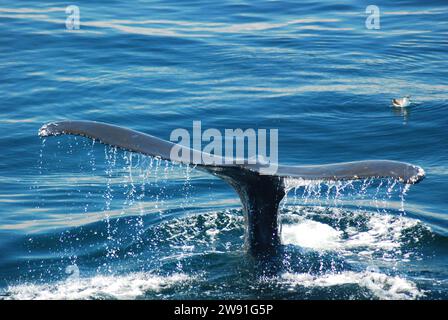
point(383, 232)
point(128, 286)
point(380, 285)
point(311, 234)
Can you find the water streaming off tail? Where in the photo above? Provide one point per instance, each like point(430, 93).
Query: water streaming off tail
point(371, 193)
point(362, 220)
point(126, 214)
point(112, 198)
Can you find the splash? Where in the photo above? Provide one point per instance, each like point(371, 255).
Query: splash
point(129, 286)
point(110, 154)
point(140, 188)
point(380, 285)
point(311, 234)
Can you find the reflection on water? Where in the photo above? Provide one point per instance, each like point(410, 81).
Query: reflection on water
point(402, 112)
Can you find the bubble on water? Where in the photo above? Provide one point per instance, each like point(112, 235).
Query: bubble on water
point(73, 272)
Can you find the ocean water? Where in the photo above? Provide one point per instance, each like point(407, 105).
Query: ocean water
point(80, 220)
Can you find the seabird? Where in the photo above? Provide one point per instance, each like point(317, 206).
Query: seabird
point(402, 102)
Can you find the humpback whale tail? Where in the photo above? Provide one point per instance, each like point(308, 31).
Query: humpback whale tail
point(260, 193)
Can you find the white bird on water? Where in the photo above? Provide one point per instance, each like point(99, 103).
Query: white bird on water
point(402, 102)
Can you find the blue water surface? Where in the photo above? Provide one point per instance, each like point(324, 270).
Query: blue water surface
point(80, 220)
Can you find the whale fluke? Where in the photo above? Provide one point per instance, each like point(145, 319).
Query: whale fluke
point(260, 193)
